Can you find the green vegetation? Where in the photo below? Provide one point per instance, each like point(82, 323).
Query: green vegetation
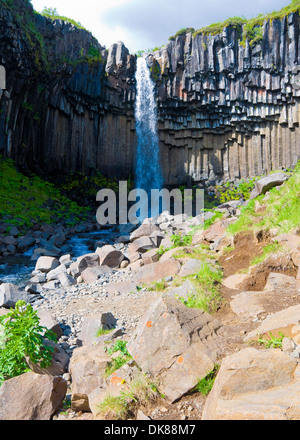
point(206, 282)
point(139, 392)
point(204, 386)
point(120, 360)
point(35, 40)
point(236, 191)
point(102, 332)
point(92, 57)
point(79, 183)
point(27, 199)
point(216, 28)
point(267, 250)
point(178, 241)
point(182, 31)
point(250, 30)
point(272, 342)
point(21, 335)
point(181, 240)
point(158, 286)
point(53, 14)
point(282, 209)
point(199, 252)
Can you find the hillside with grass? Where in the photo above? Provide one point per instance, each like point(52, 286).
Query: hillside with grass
point(27, 199)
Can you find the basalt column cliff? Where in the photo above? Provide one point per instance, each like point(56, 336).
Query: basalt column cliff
point(69, 102)
point(227, 108)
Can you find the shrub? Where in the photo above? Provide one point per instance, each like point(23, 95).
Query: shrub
point(21, 335)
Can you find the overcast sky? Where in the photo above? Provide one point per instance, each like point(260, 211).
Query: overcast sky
point(144, 24)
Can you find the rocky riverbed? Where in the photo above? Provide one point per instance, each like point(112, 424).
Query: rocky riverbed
point(131, 289)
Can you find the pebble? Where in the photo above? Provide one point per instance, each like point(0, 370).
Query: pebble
point(57, 302)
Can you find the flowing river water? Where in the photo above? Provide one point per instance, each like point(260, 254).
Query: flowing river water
point(17, 269)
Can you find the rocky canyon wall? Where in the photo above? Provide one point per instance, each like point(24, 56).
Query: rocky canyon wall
point(69, 102)
point(228, 110)
point(225, 109)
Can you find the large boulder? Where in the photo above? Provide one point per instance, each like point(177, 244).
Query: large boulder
point(11, 294)
point(150, 257)
point(87, 368)
point(142, 245)
point(255, 385)
point(31, 396)
point(214, 232)
point(46, 264)
point(145, 230)
point(25, 242)
point(279, 281)
point(285, 322)
point(92, 274)
point(59, 364)
point(266, 183)
point(91, 325)
point(83, 262)
point(47, 320)
point(191, 267)
point(110, 256)
point(183, 292)
point(177, 346)
point(156, 271)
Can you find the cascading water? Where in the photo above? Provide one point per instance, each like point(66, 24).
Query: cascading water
point(148, 169)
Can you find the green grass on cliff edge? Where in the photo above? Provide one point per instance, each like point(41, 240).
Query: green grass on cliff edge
point(251, 29)
point(28, 199)
point(280, 209)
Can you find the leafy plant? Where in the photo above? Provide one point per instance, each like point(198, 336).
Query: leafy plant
point(21, 335)
point(204, 386)
point(180, 240)
point(272, 342)
point(119, 361)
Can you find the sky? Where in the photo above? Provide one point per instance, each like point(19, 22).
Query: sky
point(145, 24)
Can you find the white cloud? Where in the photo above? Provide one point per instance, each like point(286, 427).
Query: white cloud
point(143, 24)
point(90, 14)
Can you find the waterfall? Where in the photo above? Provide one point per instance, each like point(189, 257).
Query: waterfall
point(148, 169)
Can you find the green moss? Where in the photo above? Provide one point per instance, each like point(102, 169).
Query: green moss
point(26, 23)
point(24, 199)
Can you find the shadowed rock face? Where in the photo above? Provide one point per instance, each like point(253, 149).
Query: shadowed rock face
point(225, 110)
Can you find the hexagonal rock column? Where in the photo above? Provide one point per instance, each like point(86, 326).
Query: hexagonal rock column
point(175, 345)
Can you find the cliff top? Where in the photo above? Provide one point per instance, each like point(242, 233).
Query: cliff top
point(250, 29)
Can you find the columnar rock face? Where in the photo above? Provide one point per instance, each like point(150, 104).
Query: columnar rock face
point(68, 105)
point(226, 109)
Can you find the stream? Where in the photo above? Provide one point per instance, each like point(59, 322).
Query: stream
point(17, 269)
